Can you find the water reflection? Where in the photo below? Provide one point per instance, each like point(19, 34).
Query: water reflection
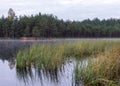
point(49, 74)
point(9, 48)
point(24, 74)
point(11, 63)
point(30, 74)
point(58, 77)
point(62, 76)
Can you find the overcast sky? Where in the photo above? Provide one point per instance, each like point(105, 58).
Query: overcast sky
point(64, 9)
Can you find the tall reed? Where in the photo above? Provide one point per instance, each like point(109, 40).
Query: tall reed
point(40, 56)
point(53, 55)
point(104, 70)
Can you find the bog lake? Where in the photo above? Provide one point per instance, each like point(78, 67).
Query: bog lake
point(10, 76)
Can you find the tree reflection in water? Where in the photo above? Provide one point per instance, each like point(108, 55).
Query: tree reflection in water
point(11, 63)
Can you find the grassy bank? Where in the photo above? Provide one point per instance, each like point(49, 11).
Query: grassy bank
point(51, 56)
point(104, 70)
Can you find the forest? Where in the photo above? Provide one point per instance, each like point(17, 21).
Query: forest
point(49, 26)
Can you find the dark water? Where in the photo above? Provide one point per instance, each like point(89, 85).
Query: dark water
point(10, 76)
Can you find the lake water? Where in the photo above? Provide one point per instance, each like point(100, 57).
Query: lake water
point(10, 76)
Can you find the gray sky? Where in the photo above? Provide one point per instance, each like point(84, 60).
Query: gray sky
point(64, 9)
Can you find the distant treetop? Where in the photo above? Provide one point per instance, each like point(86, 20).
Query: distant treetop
point(11, 14)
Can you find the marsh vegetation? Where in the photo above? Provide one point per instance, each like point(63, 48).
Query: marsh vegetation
point(102, 67)
point(103, 70)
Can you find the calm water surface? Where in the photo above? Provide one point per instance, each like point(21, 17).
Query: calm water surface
point(10, 76)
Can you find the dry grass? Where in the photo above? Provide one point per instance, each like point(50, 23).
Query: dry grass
point(104, 70)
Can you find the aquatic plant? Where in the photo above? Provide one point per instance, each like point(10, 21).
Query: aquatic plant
point(104, 70)
point(51, 56)
point(40, 56)
point(85, 48)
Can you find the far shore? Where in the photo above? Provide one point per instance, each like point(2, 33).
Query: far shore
point(50, 38)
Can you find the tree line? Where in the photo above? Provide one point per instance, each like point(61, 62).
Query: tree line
point(47, 25)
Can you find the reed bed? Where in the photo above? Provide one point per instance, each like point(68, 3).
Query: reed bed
point(51, 56)
point(104, 70)
point(40, 56)
point(87, 48)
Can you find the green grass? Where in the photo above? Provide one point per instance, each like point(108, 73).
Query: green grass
point(51, 56)
point(104, 70)
point(40, 56)
point(87, 48)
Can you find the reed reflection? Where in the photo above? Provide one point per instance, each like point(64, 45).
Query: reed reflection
point(24, 74)
point(32, 74)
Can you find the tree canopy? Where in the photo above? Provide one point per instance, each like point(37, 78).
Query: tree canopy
point(47, 25)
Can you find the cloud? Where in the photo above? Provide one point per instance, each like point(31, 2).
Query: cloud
point(66, 9)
